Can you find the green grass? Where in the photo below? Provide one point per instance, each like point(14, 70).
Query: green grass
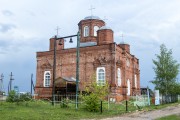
point(155, 107)
point(170, 117)
point(40, 110)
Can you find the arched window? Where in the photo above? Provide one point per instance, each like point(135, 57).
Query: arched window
point(96, 28)
point(127, 62)
point(135, 81)
point(47, 78)
point(100, 75)
point(119, 76)
point(128, 87)
point(86, 31)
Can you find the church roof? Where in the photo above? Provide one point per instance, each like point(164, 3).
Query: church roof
point(92, 17)
point(104, 27)
point(122, 42)
point(69, 79)
point(61, 81)
point(85, 44)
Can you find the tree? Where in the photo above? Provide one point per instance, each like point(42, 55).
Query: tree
point(175, 89)
point(166, 70)
point(94, 94)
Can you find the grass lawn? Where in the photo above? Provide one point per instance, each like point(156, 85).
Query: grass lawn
point(154, 107)
point(40, 110)
point(171, 117)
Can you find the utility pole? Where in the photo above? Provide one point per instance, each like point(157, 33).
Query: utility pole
point(77, 68)
point(10, 82)
point(54, 71)
point(32, 84)
point(148, 93)
point(1, 83)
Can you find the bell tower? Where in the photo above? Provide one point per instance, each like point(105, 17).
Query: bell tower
point(88, 28)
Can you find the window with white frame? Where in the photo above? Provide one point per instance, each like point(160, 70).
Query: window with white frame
point(86, 31)
point(100, 75)
point(135, 81)
point(47, 78)
point(96, 28)
point(128, 87)
point(119, 76)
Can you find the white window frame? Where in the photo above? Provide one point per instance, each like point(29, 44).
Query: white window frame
point(135, 81)
point(46, 82)
point(96, 28)
point(101, 80)
point(119, 76)
point(86, 31)
point(128, 87)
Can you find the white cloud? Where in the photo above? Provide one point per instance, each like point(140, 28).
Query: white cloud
point(7, 13)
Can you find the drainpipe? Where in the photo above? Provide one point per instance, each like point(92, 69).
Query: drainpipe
point(115, 63)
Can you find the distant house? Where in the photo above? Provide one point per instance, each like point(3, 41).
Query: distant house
point(100, 56)
point(144, 91)
point(2, 96)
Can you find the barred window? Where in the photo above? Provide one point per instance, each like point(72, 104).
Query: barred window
point(128, 87)
point(135, 81)
point(101, 76)
point(119, 76)
point(86, 31)
point(47, 78)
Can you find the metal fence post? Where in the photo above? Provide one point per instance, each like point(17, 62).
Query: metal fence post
point(108, 102)
point(101, 106)
point(126, 105)
point(77, 68)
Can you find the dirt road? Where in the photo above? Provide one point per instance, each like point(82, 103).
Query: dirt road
point(150, 115)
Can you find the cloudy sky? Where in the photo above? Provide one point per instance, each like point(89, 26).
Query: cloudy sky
point(27, 25)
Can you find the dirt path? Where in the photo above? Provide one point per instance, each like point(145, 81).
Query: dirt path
point(150, 115)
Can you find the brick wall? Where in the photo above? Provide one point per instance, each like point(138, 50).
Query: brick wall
point(105, 54)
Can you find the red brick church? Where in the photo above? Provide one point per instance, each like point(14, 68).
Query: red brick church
point(100, 56)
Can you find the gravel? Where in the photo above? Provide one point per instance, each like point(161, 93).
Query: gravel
point(148, 115)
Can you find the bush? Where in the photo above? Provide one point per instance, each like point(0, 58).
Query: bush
point(64, 103)
point(94, 94)
point(14, 97)
point(25, 97)
point(92, 102)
